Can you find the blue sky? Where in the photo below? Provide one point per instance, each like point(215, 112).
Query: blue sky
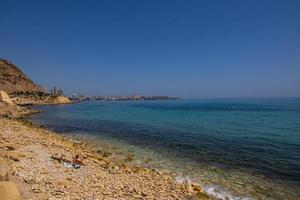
point(187, 48)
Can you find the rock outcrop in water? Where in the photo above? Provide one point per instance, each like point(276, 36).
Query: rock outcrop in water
point(55, 99)
point(13, 80)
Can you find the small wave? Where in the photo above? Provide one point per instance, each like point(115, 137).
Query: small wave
point(214, 191)
point(219, 193)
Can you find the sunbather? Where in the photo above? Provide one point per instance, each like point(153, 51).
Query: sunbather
point(77, 162)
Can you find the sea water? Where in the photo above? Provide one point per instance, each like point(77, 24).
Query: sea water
point(235, 148)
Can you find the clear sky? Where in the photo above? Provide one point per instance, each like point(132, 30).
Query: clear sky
point(187, 48)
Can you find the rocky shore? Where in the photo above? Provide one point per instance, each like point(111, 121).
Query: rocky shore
point(28, 171)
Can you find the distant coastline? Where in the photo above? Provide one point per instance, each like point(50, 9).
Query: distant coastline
point(134, 97)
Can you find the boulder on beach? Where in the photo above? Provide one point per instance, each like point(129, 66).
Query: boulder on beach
point(5, 98)
point(9, 191)
point(13, 156)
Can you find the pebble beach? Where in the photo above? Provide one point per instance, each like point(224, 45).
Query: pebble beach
point(25, 157)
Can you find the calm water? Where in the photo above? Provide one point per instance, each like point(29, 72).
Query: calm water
point(234, 148)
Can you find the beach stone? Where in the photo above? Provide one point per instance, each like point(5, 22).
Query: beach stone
point(42, 196)
point(9, 191)
point(116, 167)
point(124, 165)
point(13, 155)
point(35, 188)
point(4, 176)
point(102, 163)
point(106, 154)
point(4, 170)
point(10, 147)
point(7, 116)
point(98, 157)
point(197, 188)
point(129, 158)
point(189, 188)
point(200, 196)
point(137, 169)
point(137, 196)
point(107, 160)
point(144, 193)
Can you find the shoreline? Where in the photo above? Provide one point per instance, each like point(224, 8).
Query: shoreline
point(25, 147)
point(220, 183)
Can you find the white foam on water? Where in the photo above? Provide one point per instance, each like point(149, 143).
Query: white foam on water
point(219, 193)
point(182, 180)
point(214, 191)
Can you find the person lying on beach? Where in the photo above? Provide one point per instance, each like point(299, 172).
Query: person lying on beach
point(77, 162)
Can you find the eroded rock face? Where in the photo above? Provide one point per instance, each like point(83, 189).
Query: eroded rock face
point(5, 98)
point(12, 79)
point(52, 99)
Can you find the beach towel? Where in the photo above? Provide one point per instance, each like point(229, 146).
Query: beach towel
point(70, 165)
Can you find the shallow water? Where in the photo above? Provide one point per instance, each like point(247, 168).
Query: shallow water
point(234, 148)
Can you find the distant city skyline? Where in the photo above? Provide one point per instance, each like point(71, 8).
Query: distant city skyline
point(189, 49)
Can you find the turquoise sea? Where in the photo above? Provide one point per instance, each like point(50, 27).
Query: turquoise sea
point(235, 148)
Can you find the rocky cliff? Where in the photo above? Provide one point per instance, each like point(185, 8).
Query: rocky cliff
point(13, 80)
